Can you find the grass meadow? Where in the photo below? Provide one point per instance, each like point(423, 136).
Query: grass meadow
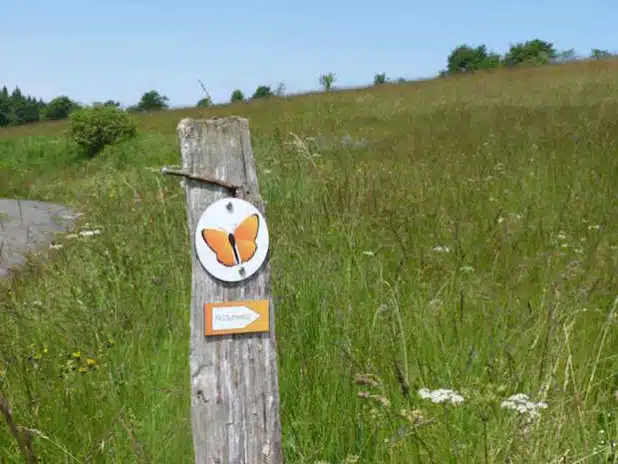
point(458, 233)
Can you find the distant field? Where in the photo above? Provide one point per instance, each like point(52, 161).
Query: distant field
point(458, 233)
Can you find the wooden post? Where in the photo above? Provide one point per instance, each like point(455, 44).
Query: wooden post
point(234, 385)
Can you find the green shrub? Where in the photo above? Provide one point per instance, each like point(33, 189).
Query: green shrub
point(379, 79)
point(263, 91)
point(237, 95)
point(95, 127)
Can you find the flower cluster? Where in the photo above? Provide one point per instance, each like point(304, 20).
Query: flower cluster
point(442, 395)
point(522, 404)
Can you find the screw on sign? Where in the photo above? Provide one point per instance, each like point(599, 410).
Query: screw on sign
point(233, 360)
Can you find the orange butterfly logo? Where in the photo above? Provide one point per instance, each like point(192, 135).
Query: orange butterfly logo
point(237, 248)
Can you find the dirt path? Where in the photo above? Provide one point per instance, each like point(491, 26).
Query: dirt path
point(28, 226)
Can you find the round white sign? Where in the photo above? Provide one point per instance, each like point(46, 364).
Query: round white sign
point(231, 239)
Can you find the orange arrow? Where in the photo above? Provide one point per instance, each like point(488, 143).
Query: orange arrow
point(233, 317)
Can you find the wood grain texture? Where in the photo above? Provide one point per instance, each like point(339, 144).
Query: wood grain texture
point(234, 382)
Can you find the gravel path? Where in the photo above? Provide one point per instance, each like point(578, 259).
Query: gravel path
point(28, 226)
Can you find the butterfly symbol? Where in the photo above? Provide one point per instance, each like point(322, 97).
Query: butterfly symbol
point(236, 248)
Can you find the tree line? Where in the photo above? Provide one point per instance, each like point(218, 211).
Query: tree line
point(466, 58)
point(17, 108)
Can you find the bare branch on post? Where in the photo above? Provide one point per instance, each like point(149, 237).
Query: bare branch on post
point(234, 382)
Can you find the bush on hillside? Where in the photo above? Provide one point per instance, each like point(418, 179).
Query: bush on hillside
point(263, 91)
point(532, 52)
point(466, 58)
point(379, 79)
point(327, 80)
point(598, 54)
point(94, 128)
point(59, 108)
point(237, 95)
point(204, 102)
point(153, 101)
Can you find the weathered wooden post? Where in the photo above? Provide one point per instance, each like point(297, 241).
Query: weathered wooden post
point(234, 384)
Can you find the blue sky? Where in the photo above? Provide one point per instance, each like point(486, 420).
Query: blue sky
point(119, 49)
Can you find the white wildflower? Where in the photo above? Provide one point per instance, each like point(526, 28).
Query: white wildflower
point(90, 233)
point(594, 227)
point(436, 304)
point(368, 253)
point(441, 395)
point(441, 249)
point(83, 233)
point(522, 404)
point(500, 220)
point(351, 459)
point(466, 269)
point(561, 235)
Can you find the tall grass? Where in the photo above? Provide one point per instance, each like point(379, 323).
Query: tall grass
point(457, 234)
